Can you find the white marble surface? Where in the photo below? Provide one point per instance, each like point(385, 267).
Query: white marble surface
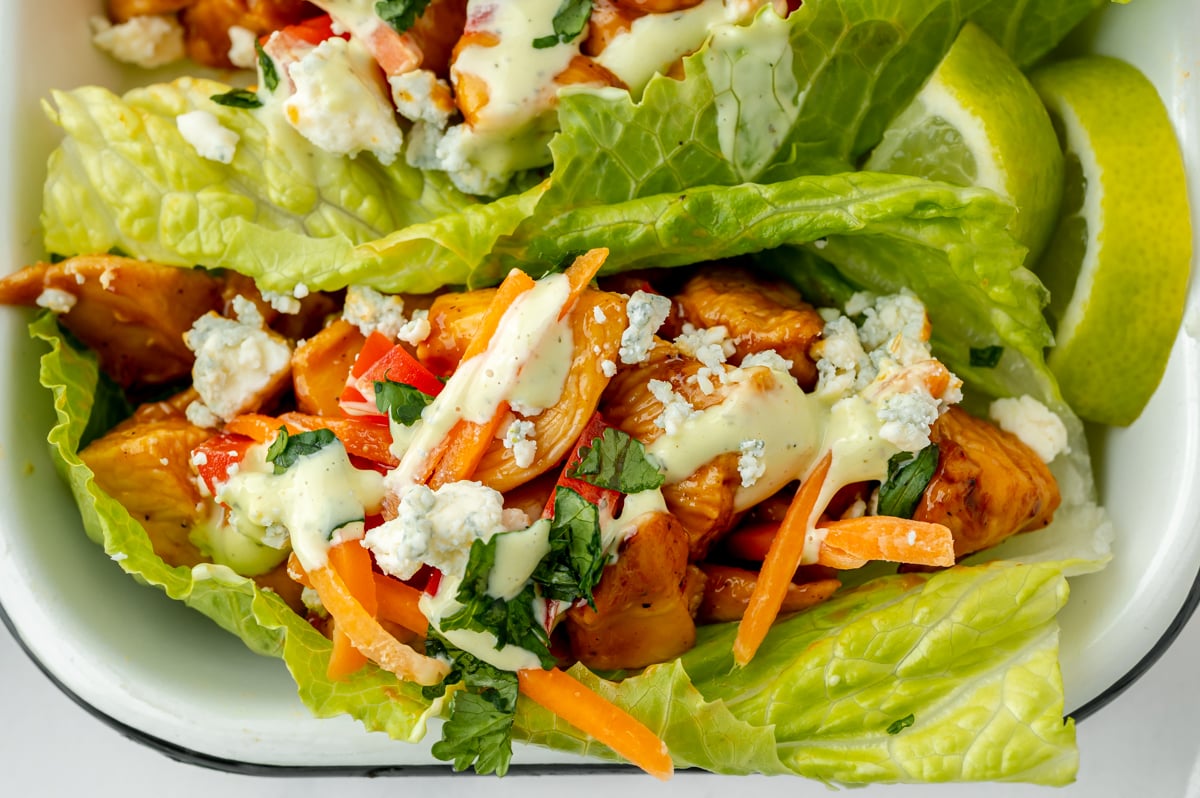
point(1144, 743)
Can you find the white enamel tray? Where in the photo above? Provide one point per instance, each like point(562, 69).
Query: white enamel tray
point(168, 676)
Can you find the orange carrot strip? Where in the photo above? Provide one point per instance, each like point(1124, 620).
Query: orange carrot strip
point(782, 560)
point(882, 537)
point(361, 437)
point(569, 699)
point(368, 636)
point(399, 603)
point(353, 564)
point(296, 571)
point(581, 273)
point(516, 283)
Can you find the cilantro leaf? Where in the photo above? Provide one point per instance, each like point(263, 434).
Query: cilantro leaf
point(478, 730)
point(401, 14)
point(986, 356)
point(903, 723)
point(237, 98)
point(576, 559)
point(267, 65)
point(907, 479)
point(617, 461)
point(286, 449)
point(403, 402)
point(512, 622)
point(569, 21)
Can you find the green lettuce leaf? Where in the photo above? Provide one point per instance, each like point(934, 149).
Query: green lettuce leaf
point(258, 617)
point(970, 655)
point(124, 177)
point(775, 99)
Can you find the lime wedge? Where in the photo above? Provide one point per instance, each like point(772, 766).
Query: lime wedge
point(1117, 265)
point(977, 121)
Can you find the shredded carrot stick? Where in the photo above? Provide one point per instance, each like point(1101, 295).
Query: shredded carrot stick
point(368, 636)
point(782, 560)
point(581, 273)
point(399, 603)
point(881, 537)
point(353, 564)
point(569, 699)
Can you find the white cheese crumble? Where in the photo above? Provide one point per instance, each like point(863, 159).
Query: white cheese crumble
point(608, 368)
point(340, 104)
point(208, 137)
point(284, 303)
point(751, 461)
point(421, 95)
point(242, 52)
point(437, 528)
point(148, 41)
point(371, 311)
point(887, 362)
point(599, 315)
point(312, 602)
point(645, 313)
point(236, 360)
point(676, 409)
point(517, 439)
point(56, 300)
point(768, 358)
point(1033, 423)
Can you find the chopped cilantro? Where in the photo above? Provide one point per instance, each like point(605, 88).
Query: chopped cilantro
point(897, 726)
point(403, 402)
point(478, 730)
point(266, 65)
point(986, 356)
point(907, 479)
point(569, 21)
point(576, 559)
point(617, 461)
point(512, 622)
point(286, 449)
point(237, 98)
point(401, 14)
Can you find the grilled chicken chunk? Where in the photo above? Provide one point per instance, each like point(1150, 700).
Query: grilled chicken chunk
point(131, 312)
point(645, 602)
point(145, 465)
point(704, 501)
point(757, 314)
point(988, 484)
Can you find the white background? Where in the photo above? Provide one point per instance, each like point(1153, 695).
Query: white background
point(1144, 743)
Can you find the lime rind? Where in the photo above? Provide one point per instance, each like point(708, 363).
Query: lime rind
point(978, 121)
point(1127, 284)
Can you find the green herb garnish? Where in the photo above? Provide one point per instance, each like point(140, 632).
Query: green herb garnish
point(617, 461)
point(237, 98)
point(907, 479)
point(569, 21)
point(402, 402)
point(401, 15)
point(286, 449)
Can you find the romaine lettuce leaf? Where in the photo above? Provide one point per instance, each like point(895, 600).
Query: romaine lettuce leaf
point(124, 177)
point(970, 653)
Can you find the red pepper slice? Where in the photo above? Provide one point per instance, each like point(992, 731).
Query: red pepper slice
point(380, 360)
point(214, 457)
point(601, 497)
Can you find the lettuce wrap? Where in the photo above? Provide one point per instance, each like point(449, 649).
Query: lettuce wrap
point(914, 677)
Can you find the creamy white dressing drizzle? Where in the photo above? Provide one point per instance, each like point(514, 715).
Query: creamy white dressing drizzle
point(483, 645)
point(790, 422)
point(319, 494)
point(519, 77)
point(517, 556)
point(655, 41)
point(481, 383)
